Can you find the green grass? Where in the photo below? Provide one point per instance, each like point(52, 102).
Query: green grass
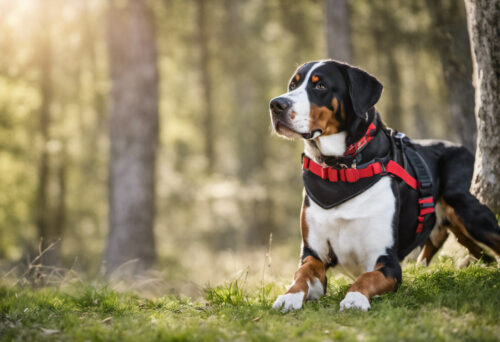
point(439, 303)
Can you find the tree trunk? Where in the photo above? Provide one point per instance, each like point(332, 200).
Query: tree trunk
point(134, 135)
point(483, 19)
point(452, 42)
point(205, 83)
point(42, 207)
point(394, 113)
point(60, 207)
point(338, 33)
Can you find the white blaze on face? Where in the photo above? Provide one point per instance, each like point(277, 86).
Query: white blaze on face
point(301, 105)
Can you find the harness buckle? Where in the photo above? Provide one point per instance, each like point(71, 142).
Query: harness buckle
point(379, 167)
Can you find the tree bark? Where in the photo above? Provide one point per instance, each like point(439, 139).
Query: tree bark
point(134, 135)
point(42, 207)
point(452, 42)
point(338, 33)
point(394, 107)
point(483, 19)
point(208, 116)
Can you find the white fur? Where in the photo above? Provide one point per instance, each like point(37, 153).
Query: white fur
point(359, 230)
point(301, 105)
point(289, 301)
point(316, 289)
point(333, 144)
point(355, 300)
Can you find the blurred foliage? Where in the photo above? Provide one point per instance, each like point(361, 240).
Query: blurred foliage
point(254, 46)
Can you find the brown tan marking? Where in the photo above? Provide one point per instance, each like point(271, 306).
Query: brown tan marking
point(292, 114)
point(342, 111)
point(335, 105)
point(324, 119)
point(297, 77)
point(303, 224)
point(458, 228)
point(310, 269)
point(314, 78)
point(470, 244)
point(373, 283)
point(427, 253)
point(495, 239)
point(433, 244)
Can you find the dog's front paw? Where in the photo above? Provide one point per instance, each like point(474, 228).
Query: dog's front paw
point(355, 300)
point(289, 301)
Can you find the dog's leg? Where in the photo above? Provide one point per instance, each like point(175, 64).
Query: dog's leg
point(433, 244)
point(464, 237)
point(309, 283)
point(310, 279)
point(474, 221)
point(384, 278)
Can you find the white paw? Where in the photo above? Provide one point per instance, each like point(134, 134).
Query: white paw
point(355, 300)
point(289, 301)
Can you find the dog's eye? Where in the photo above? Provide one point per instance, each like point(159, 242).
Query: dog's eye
point(319, 85)
point(292, 86)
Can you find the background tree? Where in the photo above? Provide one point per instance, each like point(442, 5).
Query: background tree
point(388, 41)
point(483, 18)
point(452, 41)
point(133, 133)
point(208, 117)
point(337, 30)
point(48, 230)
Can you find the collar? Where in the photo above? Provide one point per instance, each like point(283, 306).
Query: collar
point(359, 145)
point(352, 155)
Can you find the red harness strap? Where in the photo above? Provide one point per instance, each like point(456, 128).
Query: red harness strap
point(426, 205)
point(351, 175)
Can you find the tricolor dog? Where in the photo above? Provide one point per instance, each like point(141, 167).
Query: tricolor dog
point(371, 194)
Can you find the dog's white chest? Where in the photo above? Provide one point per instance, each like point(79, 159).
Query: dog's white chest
point(358, 231)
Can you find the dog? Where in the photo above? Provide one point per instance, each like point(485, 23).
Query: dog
point(371, 195)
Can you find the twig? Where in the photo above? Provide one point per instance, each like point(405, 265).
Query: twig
point(267, 256)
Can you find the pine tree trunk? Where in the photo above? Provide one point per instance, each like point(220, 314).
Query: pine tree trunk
point(483, 18)
point(338, 33)
point(134, 135)
point(208, 117)
point(42, 207)
point(452, 42)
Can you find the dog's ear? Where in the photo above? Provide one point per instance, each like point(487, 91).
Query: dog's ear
point(364, 90)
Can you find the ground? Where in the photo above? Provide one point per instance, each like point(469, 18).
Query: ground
point(437, 303)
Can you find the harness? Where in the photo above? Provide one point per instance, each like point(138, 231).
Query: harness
point(336, 185)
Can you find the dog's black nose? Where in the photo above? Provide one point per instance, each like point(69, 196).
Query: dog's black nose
point(280, 105)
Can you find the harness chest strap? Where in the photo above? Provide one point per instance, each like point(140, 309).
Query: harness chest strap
point(351, 175)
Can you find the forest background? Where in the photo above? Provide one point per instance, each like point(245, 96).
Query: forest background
point(198, 95)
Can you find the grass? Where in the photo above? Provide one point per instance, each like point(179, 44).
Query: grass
point(439, 303)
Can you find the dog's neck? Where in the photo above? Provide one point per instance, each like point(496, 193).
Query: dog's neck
point(333, 146)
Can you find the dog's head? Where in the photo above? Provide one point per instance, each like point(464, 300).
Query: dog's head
point(324, 98)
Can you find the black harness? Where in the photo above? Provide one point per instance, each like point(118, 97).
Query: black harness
point(329, 186)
